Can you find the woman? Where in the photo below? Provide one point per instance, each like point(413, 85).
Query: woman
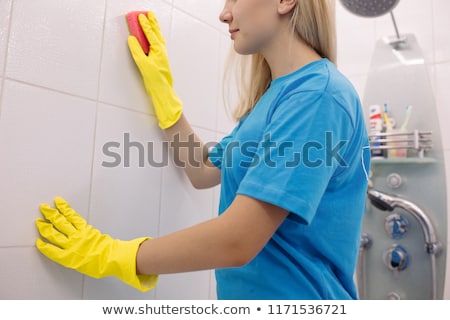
point(292, 173)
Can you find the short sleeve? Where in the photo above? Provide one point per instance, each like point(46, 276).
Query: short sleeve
point(305, 141)
point(216, 153)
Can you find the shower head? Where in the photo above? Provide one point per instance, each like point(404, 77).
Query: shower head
point(370, 8)
point(387, 202)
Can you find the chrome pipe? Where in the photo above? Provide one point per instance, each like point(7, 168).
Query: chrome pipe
point(387, 202)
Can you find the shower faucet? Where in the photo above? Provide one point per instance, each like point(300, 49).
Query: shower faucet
point(387, 202)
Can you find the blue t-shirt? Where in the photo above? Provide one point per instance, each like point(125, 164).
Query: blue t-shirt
point(304, 148)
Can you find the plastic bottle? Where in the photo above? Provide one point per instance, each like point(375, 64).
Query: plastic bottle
point(375, 128)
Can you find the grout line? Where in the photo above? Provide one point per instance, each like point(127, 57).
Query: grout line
point(2, 85)
point(18, 247)
point(77, 96)
point(5, 58)
point(221, 30)
point(162, 171)
point(101, 50)
point(441, 62)
point(50, 89)
point(91, 179)
point(8, 35)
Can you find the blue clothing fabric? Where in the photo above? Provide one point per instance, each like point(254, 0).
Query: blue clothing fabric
point(304, 148)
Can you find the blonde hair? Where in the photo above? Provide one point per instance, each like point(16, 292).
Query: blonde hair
point(313, 21)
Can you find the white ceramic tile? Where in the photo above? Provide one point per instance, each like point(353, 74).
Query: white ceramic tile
point(184, 206)
point(5, 13)
point(443, 100)
point(228, 95)
point(120, 81)
point(46, 142)
point(125, 197)
point(207, 11)
point(359, 82)
point(57, 44)
point(112, 288)
point(216, 201)
point(1, 86)
point(441, 8)
point(355, 41)
point(412, 16)
point(126, 184)
point(26, 274)
point(216, 190)
point(194, 54)
point(213, 287)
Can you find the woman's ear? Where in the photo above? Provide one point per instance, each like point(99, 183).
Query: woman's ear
point(286, 6)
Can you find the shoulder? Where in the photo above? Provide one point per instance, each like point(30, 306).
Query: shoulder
point(320, 86)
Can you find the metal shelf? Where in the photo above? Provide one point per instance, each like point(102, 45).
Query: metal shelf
point(419, 142)
point(410, 160)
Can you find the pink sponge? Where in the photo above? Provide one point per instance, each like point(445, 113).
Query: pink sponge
point(135, 29)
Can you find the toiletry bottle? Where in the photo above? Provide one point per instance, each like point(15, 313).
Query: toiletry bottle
point(375, 128)
point(389, 130)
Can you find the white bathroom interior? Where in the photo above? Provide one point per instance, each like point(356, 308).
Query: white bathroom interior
point(68, 86)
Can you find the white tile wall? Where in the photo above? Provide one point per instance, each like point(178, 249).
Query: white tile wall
point(5, 12)
point(1, 87)
point(70, 86)
point(127, 191)
point(125, 198)
point(32, 276)
point(206, 11)
point(228, 96)
point(120, 80)
point(194, 50)
point(46, 143)
point(441, 26)
point(183, 206)
point(359, 82)
point(442, 81)
point(57, 44)
point(355, 42)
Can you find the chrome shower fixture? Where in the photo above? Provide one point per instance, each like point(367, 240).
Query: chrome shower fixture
point(373, 9)
point(386, 202)
point(370, 8)
point(397, 257)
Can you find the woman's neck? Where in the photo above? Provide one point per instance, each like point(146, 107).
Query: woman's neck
point(288, 54)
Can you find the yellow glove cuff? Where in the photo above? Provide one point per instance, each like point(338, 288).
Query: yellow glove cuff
point(124, 268)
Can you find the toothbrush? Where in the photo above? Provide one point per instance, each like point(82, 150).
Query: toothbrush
point(408, 115)
point(386, 119)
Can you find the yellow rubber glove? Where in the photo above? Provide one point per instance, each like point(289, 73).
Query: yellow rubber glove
point(155, 71)
point(76, 245)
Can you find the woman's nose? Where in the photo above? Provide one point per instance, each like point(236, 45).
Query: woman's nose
point(226, 16)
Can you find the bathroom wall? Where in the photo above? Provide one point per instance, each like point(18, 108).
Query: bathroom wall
point(68, 86)
point(429, 22)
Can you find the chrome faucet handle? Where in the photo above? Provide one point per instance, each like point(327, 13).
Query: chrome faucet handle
point(387, 202)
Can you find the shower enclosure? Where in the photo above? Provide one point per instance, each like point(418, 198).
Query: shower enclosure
point(402, 250)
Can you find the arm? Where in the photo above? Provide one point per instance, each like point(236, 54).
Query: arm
point(230, 240)
point(188, 149)
point(190, 152)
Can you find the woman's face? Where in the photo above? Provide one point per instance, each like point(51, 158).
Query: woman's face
point(253, 24)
